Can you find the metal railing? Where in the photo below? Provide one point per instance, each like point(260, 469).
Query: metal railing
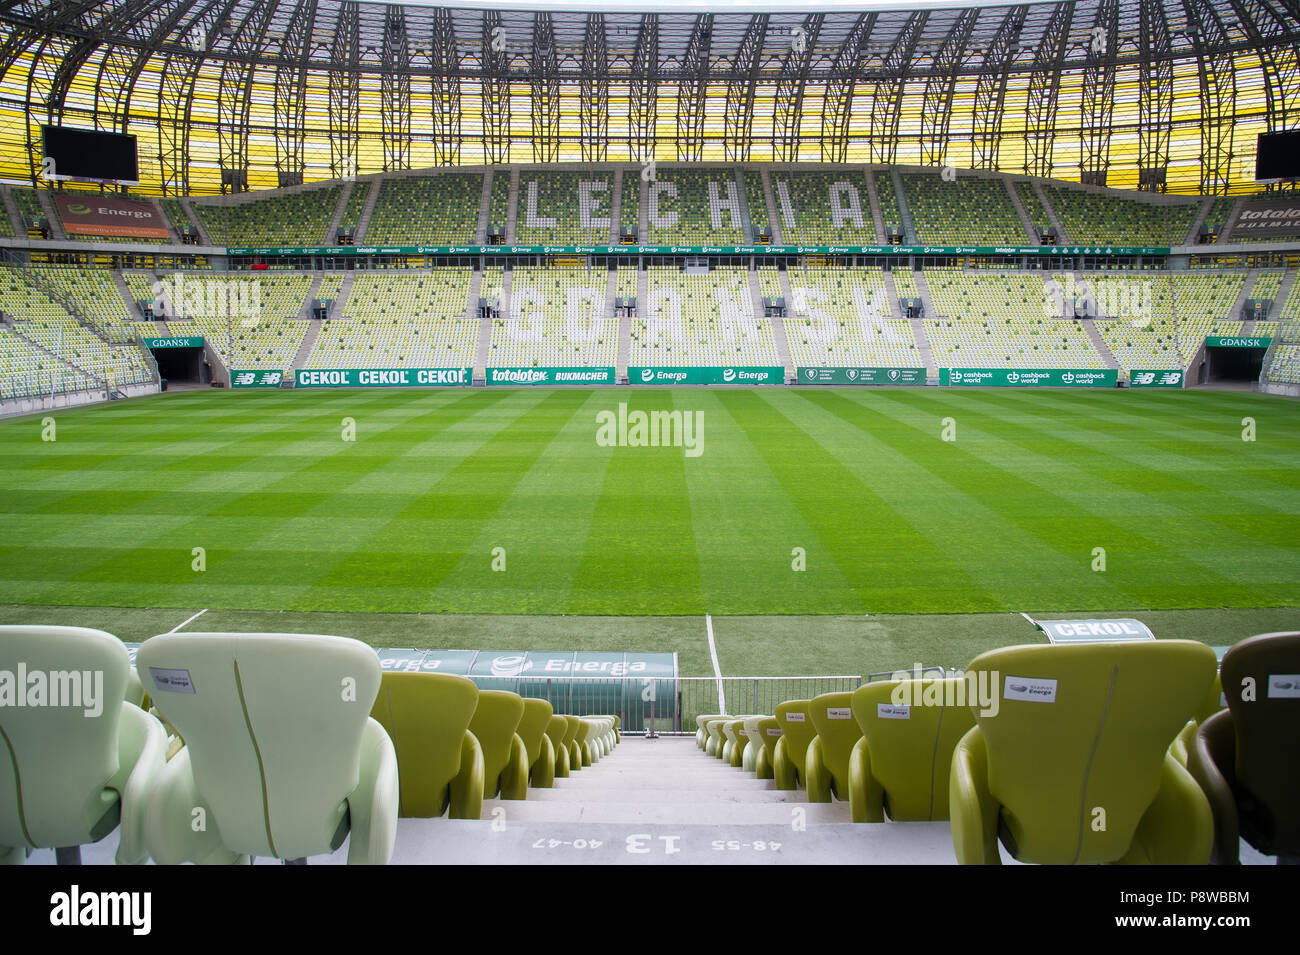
point(666, 705)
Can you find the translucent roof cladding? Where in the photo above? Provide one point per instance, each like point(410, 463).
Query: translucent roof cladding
point(118, 66)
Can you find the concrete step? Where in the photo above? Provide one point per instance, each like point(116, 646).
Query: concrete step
point(699, 814)
point(563, 793)
point(363, 225)
point(340, 208)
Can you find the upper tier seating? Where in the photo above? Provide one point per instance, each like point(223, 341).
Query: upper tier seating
point(426, 210)
point(564, 208)
point(1092, 218)
point(969, 210)
point(816, 208)
point(696, 207)
point(292, 218)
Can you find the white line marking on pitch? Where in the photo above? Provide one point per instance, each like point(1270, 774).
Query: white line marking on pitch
point(1029, 618)
point(717, 670)
point(191, 620)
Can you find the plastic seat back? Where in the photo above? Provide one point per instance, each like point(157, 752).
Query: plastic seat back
point(797, 731)
point(909, 745)
point(495, 720)
point(273, 724)
point(59, 757)
point(533, 724)
point(1084, 728)
point(1267, 731)
point(426, 715)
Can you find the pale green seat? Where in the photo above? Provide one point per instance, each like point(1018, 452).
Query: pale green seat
point(576, 752)
point(769, 731)
point(600, 736)
point(797, 731)
point(702, 727)
point(900, 765)
point(557, 731)
point(716, 739)
point(580, 740)
point(505, 758)
point(439, 761)
point(753, 744)
point(733, 742)
point(1078, 770)
point(608, 726)
point(541, 753)
point(68, 779)
point(827, 761)
point(281, 757)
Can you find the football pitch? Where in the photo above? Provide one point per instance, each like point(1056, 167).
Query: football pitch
point(822, 530)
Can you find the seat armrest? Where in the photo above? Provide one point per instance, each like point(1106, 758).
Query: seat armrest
point(141, 755)
point(1211, 759)
point(373, 805)
point(971, 807)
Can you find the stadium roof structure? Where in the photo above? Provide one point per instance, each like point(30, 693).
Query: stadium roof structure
point(1165, 95)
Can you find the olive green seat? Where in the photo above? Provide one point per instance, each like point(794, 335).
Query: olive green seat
point(753, 745)
point(281, 757)
point(608, 726)
point(1247, 758)
point(541, 752)
point(734, 740)
point(797, 731)
point(439, 761)
point(717, 740)
point(769, 731)
point(557, 729)
point(900, 765)
point(71, 774)
point(576, 753)
point(1073, 766)
point(702, 727)
point(580, 740)
point(505, 758)
point(827, 760)
point(599, 736)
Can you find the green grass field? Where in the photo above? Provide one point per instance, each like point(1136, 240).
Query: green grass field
point(891, 520)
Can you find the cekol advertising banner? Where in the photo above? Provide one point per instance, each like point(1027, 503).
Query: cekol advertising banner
point(88, 214)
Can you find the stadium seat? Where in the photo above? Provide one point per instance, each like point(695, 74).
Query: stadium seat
point(439, 762)
point(281, 757)
point(900, 765)
point(577, 755)
point(557, 731)
point(1073, 767)
point(541, 752)
point(797, 731)
point(1247, 758)
point(505, 758)
point(827, 760)
point(754, 747)
point(717, 741)
point(69, 780)
point(580, 740)
point(734, 742)
point(769, 731)
point(1213, 703)
point(702, 727)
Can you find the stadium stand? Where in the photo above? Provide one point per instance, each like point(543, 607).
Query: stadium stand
point(700, 319)
point(969, 210)
point(994, 320)
point(696, 207)
point(630, 209)
point(499, 203)
point(817, 208)
point(293, 218)
point(396, 320)
point(1108, 219)
point(250, 323)
point(843, 317)
point(889, 210)
point(1033, 207)
point(425, 210)
point(564, 208)
point(755, 202)
point(556, 317)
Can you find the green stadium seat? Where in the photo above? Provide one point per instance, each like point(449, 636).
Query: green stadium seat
point(505, 758)
point(439, 762)
point(1247, 758)
point(702, 727)
point(69, 780)
point(769, 731)
point(733, 747)
point(577, 755)
point(541, 752)
point(280, 751)
point(1074, 768)
point(753, 747)
point(827, 761)
point(1213, 703)
point(900, 765)
point(557, 731)
point(581, 742)
point(717, 740)
point(797, 731)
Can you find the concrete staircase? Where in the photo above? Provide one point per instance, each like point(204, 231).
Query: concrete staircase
point(336, 220)
point(773, 212)
point(345, 290)
point(616, 208)
point(367, 211)
point(52, 214)
point(304, 313)
point(642, 307)
point(512, 209)
point(923, 347)
point(748, 229)
point(199, 227)
point(1230, 222)
point(923, 287)
point(173, 233)
point(484, 339)
point(873, 199)
point(779, 337)
point(1021, 211)
point(895, 306)
point(909, 227)
point(484, 209)
point(1283, 293)
point(643, 207)
point(1090, 325)
point(305, 347)
point(1200, 220)
point(1062, 237)
point(124, 290)
point(1244, 295)
point(11, 210)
